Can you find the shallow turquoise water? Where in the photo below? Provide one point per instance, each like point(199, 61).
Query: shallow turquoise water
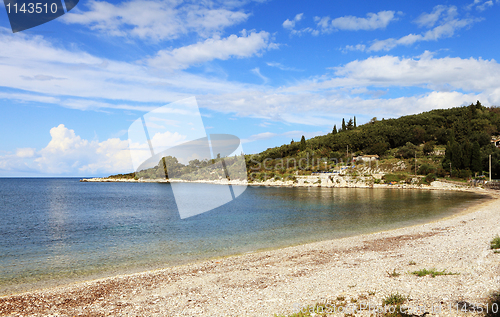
point(54, 231)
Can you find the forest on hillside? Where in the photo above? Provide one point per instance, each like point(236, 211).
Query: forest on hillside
point(465, 133)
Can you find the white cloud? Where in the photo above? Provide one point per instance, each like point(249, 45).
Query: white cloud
point(260, 136)
point(320, 101)
point(92, 83)
point(25, 152)
point(155, 20)
point(423, 71)
point(372, 21)
point(256, 71)
point(480, 5)
point(247, 45)
point(69, 154)
point(447, 22)
point(291, 134)
point(166, 139)
point(429, 19)
point(357, 47)
point(485, 5)
point(282, 67)
point(290, 24)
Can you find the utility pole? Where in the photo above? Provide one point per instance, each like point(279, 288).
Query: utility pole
point(415, 163)
point(347, 154)
point(490, 167)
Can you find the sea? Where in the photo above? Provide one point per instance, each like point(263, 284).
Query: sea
point(55, 231)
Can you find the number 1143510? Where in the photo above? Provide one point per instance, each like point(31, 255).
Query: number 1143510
point(32, 8)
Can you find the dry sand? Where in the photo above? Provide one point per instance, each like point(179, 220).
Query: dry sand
point(339, 271)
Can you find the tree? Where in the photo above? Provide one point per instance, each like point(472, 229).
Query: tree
point(302, 143)
point(448, 153)
point(478, 105)
point(334, 131)
point(475, 163)
point(456, 155)
point(466, 154)
point(428, 148)
point(354, 121)
point(418, 134)
point(350, 124)
point(343, 125)
point(407, 151)
point(378, 148)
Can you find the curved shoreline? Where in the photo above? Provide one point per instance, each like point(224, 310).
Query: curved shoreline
point(276, 281)
point(320, 180)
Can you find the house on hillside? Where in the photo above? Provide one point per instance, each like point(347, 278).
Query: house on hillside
point(366, 158)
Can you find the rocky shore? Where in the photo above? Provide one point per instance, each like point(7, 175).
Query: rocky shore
point(319, 180)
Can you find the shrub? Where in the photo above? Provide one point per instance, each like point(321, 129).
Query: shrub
point(428, 148)
point(430, 178)
point(426, 169)
point(432, 272)
point(493, 305)
point(407, 151)
point(393, 273)
point(495, 243)
point(464, 173)
point(394, 299)
point(441, 172)
point(393, 177)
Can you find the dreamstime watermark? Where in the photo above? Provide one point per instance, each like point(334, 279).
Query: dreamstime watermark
point(26, 14)
point(172, 136)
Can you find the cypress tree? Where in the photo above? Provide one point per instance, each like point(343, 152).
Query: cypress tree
point(334, 131)
point(343, 125)
point(456, 155)
point(349, 124)
point(448, 153)
point(475, 163)
point(354, 121)
point(303, 143)
point(447, 156)
point(466, 154)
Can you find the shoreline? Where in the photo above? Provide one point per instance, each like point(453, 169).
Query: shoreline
point(321, 180)
point(276, 281)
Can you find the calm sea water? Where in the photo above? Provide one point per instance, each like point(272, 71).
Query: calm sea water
point(54, 231)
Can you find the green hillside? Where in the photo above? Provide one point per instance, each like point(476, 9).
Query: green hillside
point(464, 134)
point(453, 142)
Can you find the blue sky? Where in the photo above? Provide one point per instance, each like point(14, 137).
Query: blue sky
point(265, 71)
